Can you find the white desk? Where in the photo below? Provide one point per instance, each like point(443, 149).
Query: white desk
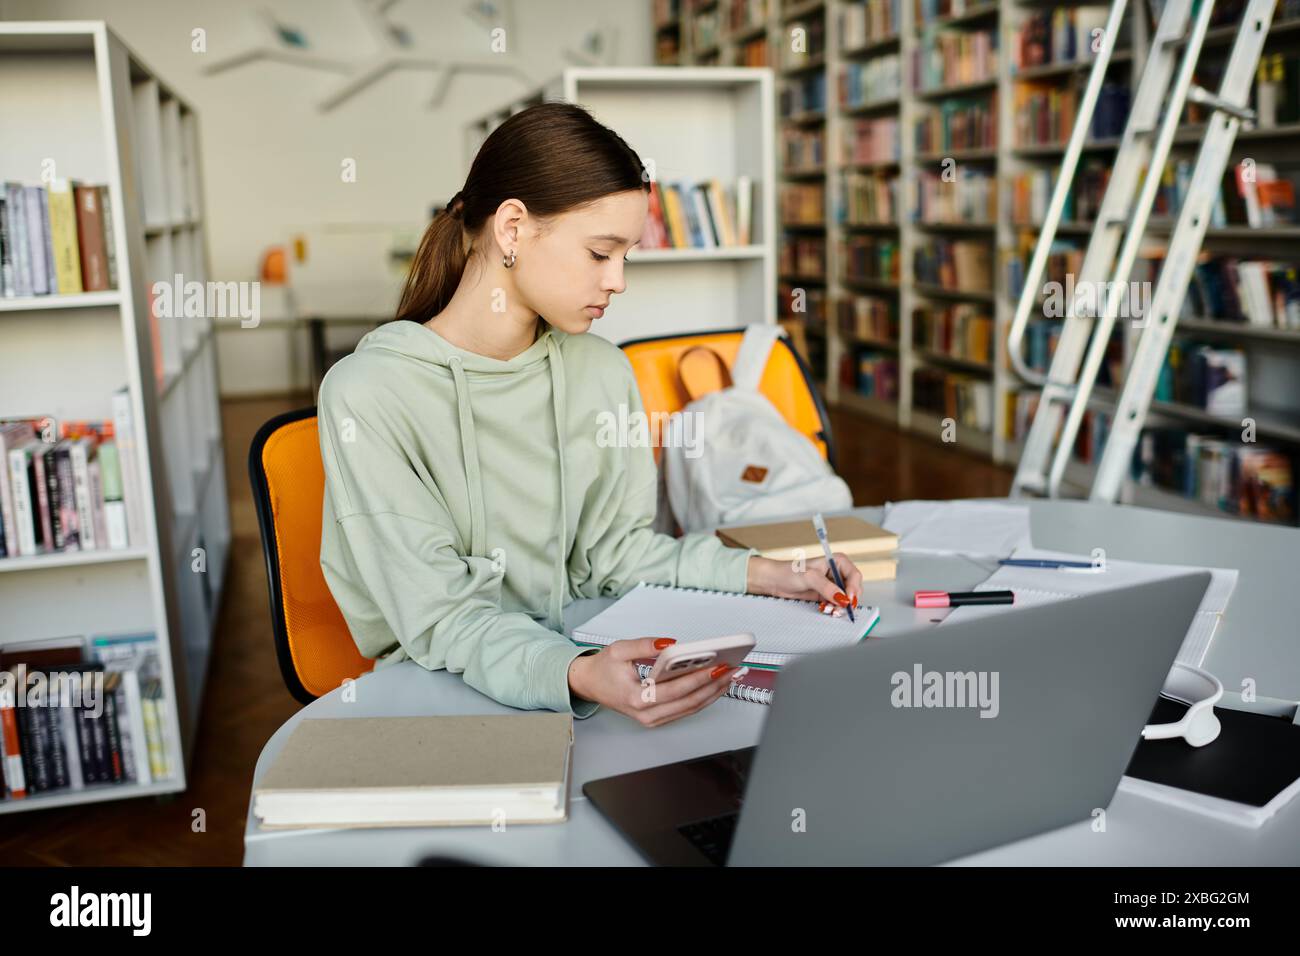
point(1258, 639)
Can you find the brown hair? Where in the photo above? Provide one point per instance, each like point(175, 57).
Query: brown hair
point(552, 157)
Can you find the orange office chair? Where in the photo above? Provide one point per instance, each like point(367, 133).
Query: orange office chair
point(786, 382)
point(312, 640)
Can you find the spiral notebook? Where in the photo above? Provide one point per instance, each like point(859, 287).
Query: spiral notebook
point(785, 628)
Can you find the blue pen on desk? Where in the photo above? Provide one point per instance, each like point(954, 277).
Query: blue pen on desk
point(820, 526)
point(1059, 565)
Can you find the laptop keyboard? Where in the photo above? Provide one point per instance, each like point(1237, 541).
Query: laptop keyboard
point(712, 837)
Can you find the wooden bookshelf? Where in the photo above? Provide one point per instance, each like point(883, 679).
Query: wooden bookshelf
point(1269, 349)
point(118, 123)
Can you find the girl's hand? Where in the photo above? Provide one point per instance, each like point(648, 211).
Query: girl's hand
point(813, 583)
point(609, 678)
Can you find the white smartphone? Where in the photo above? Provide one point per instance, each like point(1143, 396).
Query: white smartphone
point(690, 656)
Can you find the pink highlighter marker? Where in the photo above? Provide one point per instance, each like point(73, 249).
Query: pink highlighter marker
point(959, 598)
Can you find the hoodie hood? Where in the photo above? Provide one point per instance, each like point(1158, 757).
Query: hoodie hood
point(417, 341)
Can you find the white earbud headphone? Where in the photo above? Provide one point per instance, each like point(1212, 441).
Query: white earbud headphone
point(1200, 690)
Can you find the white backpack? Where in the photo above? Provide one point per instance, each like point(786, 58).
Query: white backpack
point(729, 456)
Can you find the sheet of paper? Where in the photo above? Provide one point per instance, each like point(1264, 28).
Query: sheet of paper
point(962, 527)
point(1039, 585)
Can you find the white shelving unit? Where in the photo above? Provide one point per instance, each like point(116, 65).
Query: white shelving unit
point(73, 92)
point(718, 33)
point(693, 124)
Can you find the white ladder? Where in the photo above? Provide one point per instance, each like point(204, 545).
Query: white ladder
point(1103, 276)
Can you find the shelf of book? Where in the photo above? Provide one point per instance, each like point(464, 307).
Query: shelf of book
point(1001, 77)
point(127, 548)
point(1078, 478)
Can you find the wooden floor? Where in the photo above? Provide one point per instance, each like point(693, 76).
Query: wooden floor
point(245, 700)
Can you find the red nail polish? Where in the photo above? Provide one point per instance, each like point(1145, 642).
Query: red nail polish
point(718, 671)
point(841, 599)
point(662, 642)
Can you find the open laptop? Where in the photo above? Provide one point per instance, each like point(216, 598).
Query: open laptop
point(924, 746)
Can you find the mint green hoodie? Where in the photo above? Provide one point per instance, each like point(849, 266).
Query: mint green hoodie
point(468, 499)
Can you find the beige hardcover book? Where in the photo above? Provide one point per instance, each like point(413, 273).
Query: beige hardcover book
point(874, 568)
point(783, 540)
point(420, 771)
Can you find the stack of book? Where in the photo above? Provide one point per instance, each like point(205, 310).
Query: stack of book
point(704, 28)
point(1213, 379)
point(1031, 192)
point(802, 149)
point(871, 548)
point(1277, 89)
point(1064, 259)
point(869, 318)
point(863, 23)
point(699, 216)
point(803, 256)
point(56, 240)
point(946, 58)
point(963, 331)
point(958, 124)
point(802, 204)
point(1249, 480)
point(69, 486)
point(867, 198)
point(754, 52)
point(806, 94)
point(1045, 113)
point(869, 258)
point(871, 140)
point(959, 265)
point(1265, 197)
point(928, 10)
point(963, 398)
point(1259, 293)
point(744, 14)
point(81, 712)
point(871, 374)
point(970, 195)
point(864, 82)
point(1061, 35)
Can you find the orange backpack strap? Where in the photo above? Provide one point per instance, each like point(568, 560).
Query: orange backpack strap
point(701, 371)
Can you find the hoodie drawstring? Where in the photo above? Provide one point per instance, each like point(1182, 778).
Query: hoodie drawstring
point(474, 480)
point(469, 451)
point(558, 403)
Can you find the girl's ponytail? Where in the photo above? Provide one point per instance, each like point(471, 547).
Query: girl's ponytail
point(552, 157)
point(438, 264)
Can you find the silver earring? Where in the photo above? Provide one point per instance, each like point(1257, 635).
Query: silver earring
point(508, 261)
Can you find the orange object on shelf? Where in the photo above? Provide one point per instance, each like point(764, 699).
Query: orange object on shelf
point(275, 266)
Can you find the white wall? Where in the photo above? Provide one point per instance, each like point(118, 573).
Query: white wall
point(272, 159)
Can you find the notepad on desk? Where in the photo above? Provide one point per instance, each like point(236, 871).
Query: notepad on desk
point(785, 628)
point(419, 771)
point(870, 547)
